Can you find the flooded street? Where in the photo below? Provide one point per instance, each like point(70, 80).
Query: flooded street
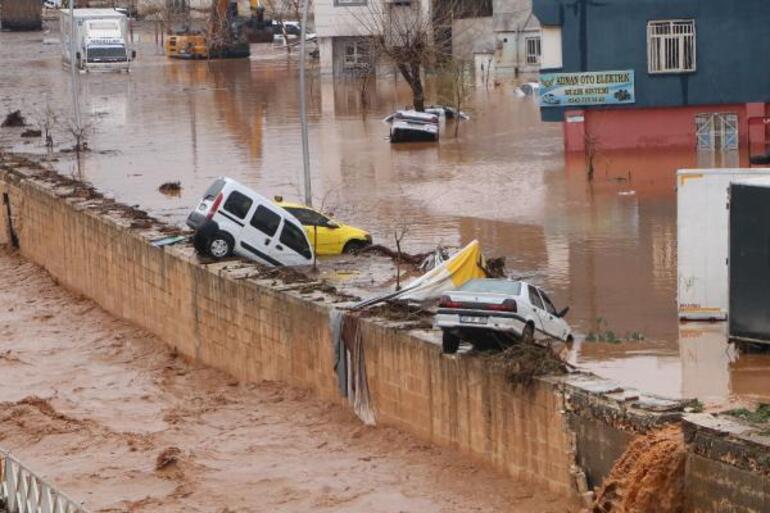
point(607, 247)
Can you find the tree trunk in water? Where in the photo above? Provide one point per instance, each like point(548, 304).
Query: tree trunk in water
point(411, 74)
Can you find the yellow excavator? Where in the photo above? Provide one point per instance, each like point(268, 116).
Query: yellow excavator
point(223, 38)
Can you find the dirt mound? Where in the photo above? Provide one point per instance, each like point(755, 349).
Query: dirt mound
point(31, 132)
point(14, 119)
point(648, 478)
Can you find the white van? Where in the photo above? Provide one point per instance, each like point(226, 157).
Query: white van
point(233, 219)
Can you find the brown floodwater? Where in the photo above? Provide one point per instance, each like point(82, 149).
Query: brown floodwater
point(605, 247)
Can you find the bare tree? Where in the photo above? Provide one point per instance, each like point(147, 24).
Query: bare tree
point(80, 133)
point(416, 36)
point(286, 10)
point(47, 119)
point(456, 87)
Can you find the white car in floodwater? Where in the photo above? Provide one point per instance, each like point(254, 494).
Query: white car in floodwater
point(413, 126)
point(501, 311)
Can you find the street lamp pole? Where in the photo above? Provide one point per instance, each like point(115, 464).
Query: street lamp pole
point(303, 106)
point(73, 71)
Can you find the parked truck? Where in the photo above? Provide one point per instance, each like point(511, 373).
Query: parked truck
point(702, 240)
point(21, 14)
point(101, 39)
point(749, 260)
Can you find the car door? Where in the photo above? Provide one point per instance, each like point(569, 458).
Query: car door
point(539, 310)
point(260, 236)
point(554, 325)
point(293, 246)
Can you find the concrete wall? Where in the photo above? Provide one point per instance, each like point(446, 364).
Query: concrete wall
point(254, 332)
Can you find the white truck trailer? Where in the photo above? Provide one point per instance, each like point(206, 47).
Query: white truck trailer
point(702, 240)
point(101, 39)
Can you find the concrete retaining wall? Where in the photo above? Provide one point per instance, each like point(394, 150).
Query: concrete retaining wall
point(251, 330)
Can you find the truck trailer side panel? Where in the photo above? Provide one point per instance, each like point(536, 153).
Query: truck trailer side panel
point(702, 240)
point(750, 260)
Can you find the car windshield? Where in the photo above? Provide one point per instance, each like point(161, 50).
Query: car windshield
point(107, 53)
point(511, 288)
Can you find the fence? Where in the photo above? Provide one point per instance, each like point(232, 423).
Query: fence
point(24, 492)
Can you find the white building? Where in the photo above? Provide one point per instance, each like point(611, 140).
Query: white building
point(508, 41)
point(344, 28)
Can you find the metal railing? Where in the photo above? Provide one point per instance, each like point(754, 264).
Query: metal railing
point(23, 491)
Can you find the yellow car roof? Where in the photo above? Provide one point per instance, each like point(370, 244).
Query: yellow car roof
point(293, 205)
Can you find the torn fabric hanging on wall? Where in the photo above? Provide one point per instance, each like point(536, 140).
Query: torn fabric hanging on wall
point(350, 363)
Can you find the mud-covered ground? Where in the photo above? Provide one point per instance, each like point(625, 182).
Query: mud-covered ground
point(113, 418)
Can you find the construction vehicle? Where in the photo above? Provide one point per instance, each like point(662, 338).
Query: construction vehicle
point(223, 38)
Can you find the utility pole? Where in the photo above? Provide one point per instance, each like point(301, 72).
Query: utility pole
point(73, 71)
point(303, 106)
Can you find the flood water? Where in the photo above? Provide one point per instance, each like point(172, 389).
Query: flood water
point(605, 247)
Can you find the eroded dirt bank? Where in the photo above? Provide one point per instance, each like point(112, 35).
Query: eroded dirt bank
point(102, 409)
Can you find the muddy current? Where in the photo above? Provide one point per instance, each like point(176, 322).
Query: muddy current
point(606, 247)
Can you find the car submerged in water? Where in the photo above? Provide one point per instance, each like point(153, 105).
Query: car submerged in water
point(500, 311)
point(413, 126)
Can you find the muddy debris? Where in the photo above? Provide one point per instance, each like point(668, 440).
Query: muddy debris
point(495, 267)
point(379, 249)
point(522, 362)
point(167, 457)
point(287, 275)
point(31, 132)
point(416, 316)
point(649, 477)
point(13, 119)
point(171, 188)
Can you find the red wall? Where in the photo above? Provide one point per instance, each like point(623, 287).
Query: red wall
point(647, 128)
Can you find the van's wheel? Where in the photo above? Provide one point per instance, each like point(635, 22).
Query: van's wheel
point(220, 245)
point(528, 335)
point(450, 342)
point(354, 246)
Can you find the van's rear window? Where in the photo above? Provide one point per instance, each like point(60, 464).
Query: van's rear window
point(214, 189)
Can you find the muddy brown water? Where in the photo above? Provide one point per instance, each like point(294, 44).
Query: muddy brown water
point(607, 248)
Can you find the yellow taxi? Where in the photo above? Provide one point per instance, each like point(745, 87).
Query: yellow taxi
point(334, 237)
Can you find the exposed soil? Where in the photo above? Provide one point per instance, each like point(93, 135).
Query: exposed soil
point(103, 410)
point(649, 477)
point(171, 188)
point(31, 132)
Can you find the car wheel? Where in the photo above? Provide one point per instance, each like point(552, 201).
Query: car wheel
point(450, 343)
point(528, 335)
point(354, 246)
point(220, 245)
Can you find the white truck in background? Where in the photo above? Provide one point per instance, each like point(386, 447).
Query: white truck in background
point(703, 240)
point(101, 39)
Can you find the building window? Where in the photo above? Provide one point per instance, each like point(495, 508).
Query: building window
point(533, 50)
point(348, 3)
point(356, 56)
point(671, 46)
point(717, 131)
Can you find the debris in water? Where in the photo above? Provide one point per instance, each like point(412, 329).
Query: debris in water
point(524, 361)
point(379, 249)
point(31, 132)
point(167, 457)
point(171, 188)
point(14, 119)
point(649, 477)
point(495, 267)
